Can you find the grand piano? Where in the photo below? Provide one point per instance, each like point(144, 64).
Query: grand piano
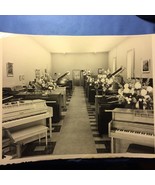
point(24, 121)
point(63, 81)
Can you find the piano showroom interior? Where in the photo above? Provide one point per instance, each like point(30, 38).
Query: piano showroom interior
point(97, 90)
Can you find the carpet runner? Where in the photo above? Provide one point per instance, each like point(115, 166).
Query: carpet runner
point(75, 135)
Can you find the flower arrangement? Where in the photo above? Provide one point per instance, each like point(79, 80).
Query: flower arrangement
point(103, 82)
point(45, 82)
point(136, 94)
point(86, 72)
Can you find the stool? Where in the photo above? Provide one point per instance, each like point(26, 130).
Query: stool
point(23, 136)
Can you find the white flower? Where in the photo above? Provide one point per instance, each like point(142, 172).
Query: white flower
point(143, 92)
point(126, 86)
point(120, 91)
point(137, 105)
point(126, 90)
point(110, 81)
point(104, 76)
point(132, 91)
point(149, 89)
point(138, 85)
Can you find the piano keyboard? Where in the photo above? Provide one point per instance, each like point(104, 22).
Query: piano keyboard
point(134, 136)
point(132, 132)
point(131, 126)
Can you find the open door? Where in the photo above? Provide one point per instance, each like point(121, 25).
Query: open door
point(76, 73)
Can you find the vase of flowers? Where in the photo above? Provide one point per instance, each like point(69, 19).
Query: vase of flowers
point(136, 94)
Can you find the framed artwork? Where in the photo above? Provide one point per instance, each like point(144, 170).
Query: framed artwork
point(9, 69)
point(146, 66)
point(100, 71)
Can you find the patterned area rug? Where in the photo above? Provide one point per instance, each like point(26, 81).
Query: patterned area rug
point(36, 148)
point(135, 148)
point(56, 128)
point(102, 143)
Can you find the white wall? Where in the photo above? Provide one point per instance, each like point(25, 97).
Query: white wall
point(26, 56)
point(67, 62)
point(142, 46)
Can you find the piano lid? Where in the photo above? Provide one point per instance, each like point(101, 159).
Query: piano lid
point(19, 109)
point(62, 80)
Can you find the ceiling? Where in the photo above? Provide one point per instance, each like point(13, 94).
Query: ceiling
point(78, 44)
point(74, 44)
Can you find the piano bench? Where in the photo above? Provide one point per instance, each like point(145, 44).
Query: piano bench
point(25, 136)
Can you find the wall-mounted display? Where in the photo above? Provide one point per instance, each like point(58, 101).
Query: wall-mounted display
point(146, 66)
point(100, 71)
point(9, 69)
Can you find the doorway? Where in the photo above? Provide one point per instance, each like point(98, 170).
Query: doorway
point(77, 77)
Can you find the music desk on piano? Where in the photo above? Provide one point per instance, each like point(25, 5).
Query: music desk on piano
point(131, 126)
point(25, 121)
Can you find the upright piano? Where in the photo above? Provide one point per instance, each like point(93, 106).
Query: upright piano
point(25, 121)
point(53, 99)
point(131, 126)
point(104, 104)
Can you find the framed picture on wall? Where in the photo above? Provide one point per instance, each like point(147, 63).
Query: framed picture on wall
point(146, 66)
point(100, 70)
point(9, 69)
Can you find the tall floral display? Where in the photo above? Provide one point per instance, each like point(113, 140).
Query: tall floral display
point(45, 82)
point(106, 80)
point(136, 94)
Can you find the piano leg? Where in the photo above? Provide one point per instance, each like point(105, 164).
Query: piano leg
point(112, 145)
point(46, 139)
point(39, 139)
point(50, 126)
point(18, 149)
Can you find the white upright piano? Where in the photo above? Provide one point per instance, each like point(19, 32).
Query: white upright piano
point(25, 121)
point(131, 126)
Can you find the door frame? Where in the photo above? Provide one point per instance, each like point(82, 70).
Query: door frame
point(79, 70)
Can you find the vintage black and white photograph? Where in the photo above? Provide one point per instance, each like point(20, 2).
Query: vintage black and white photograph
point(68, 97)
